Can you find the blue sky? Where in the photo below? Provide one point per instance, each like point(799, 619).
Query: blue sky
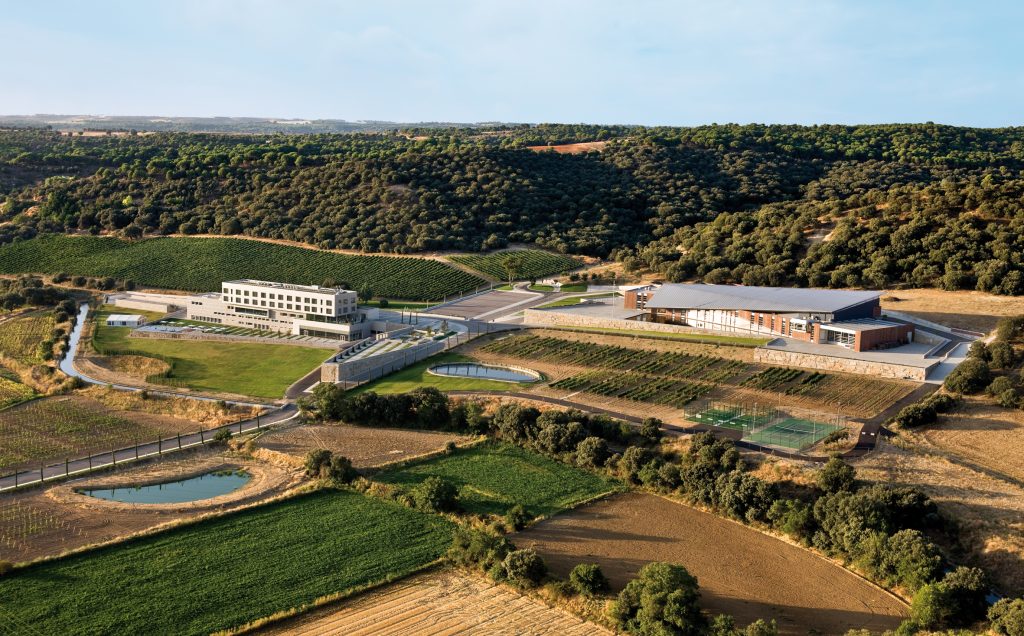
point(637, 62)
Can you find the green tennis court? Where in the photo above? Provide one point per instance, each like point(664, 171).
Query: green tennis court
point(792, 433)
point(724, 418)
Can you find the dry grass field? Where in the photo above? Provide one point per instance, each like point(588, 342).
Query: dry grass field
point(990, 509)
point(572, 149)
point(366, 447)
point(206, 413)
point(41, 523)
point(971, 310)
point(983, 434)
point(741, 571)
point(434, 604)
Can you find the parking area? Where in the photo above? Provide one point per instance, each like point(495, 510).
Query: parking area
point(492, 304)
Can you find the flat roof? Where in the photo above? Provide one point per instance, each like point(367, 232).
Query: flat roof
point(316, 289)
point(773, 299)
point(862, 324)
point(125, 317)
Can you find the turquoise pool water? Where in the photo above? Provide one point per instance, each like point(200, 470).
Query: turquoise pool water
point(181, 491)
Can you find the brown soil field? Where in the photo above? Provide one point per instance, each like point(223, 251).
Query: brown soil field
point(989, 509)
point(572, 149)
point(47, 522)
point(741, 571)
point(982, 433)
point(366, 447)
point(445, 602)
point(971, 310)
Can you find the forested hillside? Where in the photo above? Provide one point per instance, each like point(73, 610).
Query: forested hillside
point(827, 205)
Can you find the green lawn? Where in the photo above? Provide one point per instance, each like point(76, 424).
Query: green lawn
point(707, 338)
point(256, 369)
point(575, 300)
point(493, 478)
point(226, 571)
point(415, 376)
point(569, 287)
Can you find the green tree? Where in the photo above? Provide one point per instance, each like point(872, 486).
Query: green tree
point(436, 494)
point(524, 567)
point(588, 579)
point(837, 476)
point(662, 600)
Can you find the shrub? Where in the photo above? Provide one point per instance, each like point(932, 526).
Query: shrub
point(222, 436)
point(915, 415)
point(592, 452)
point(588, 579)
point(1007, 617)
point(524, 567)
point(316, 460)
point(1002, 355)
point(341, 470)
point(971, 376)
point(484, 549)
point(930, 607)
point(435, 494)
point(662, 599)
point(517, 517)
point(966, 591)
point(633, 459)
point(1000, 384)
point(979, 351)
point(651, 429)
point(837, 476)
point(942, 402)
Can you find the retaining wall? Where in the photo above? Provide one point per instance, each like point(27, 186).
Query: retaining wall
point(548, 318)
point(845, 365)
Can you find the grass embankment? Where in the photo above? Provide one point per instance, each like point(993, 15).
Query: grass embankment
point(227, 571)
point(575, 300)
point(257, 369)
point(201, 264)
point(493, 478)
point(416, 375)
point(578, 287)
point(736, 341)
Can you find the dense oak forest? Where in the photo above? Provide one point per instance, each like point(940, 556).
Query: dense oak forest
point(922, 204)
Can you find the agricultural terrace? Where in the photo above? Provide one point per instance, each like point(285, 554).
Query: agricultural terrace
point(12, 392)
point(20, 336)
point(201, 264)
point(241, 368)
point(494, 478)
point(57, 428)
point(676, 379)
point(529, 263)
point(226, 571)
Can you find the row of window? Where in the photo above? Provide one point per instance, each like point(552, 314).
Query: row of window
point(315, 300)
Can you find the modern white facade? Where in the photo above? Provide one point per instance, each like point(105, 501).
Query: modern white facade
point(324, 312)
point(125, 320)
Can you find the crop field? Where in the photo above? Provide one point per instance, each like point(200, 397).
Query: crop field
point(741, 571)
point(243, 368)
point(200, 264)
point(533, 263)
point(13, 392)
point(635, 386)
point(20, 337)
point(226, 571)
point(859, 395)
point(61, 427)
point(19, 523)
point(493, 478)
point(448, 602)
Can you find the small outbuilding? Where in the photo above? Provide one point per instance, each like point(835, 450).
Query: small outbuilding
point(125, 320)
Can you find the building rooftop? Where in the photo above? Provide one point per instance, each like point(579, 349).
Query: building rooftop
point(862, 324)
point(124, 317)
point(316, 289)
point(770, 299)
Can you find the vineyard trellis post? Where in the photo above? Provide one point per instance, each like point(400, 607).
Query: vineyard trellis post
point(66, 467)
point(179, 441)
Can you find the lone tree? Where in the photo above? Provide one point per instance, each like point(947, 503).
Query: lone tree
point(513, 266)
point(837, 476)
point(524, 567)
point(436, 494)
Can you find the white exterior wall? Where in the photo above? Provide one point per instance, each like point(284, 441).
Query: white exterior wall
point(290, 300)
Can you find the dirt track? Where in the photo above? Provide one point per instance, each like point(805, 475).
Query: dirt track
point(742, 572)
point(365, 446)
point(440, 603)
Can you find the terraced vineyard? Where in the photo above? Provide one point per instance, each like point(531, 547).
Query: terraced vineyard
point(20, 337)
point(20, 522)
point(199, 264)
point(56, 428)
point(532, 263)
point(637, 387)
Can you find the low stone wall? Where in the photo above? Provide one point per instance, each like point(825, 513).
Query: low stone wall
point(845, 365)
point(549, 318)
point(220, 337)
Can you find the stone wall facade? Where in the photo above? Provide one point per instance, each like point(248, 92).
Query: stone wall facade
point(845, 365)
point(548, 318)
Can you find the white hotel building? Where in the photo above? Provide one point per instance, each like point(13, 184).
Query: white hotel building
point(306, 310)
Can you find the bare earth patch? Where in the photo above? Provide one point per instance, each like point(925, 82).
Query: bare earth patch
point(970, 310)
point(446, 602)
point(990, 510)
point(366, 447)
point(41, 523)
point(572, 149)
point(741, 571)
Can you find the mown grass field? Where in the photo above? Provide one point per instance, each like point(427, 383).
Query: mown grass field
point(493, 478)
point(533, 263)
point(201, 264)
point(256, 369)
point(416, 375)
point(226, 571)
